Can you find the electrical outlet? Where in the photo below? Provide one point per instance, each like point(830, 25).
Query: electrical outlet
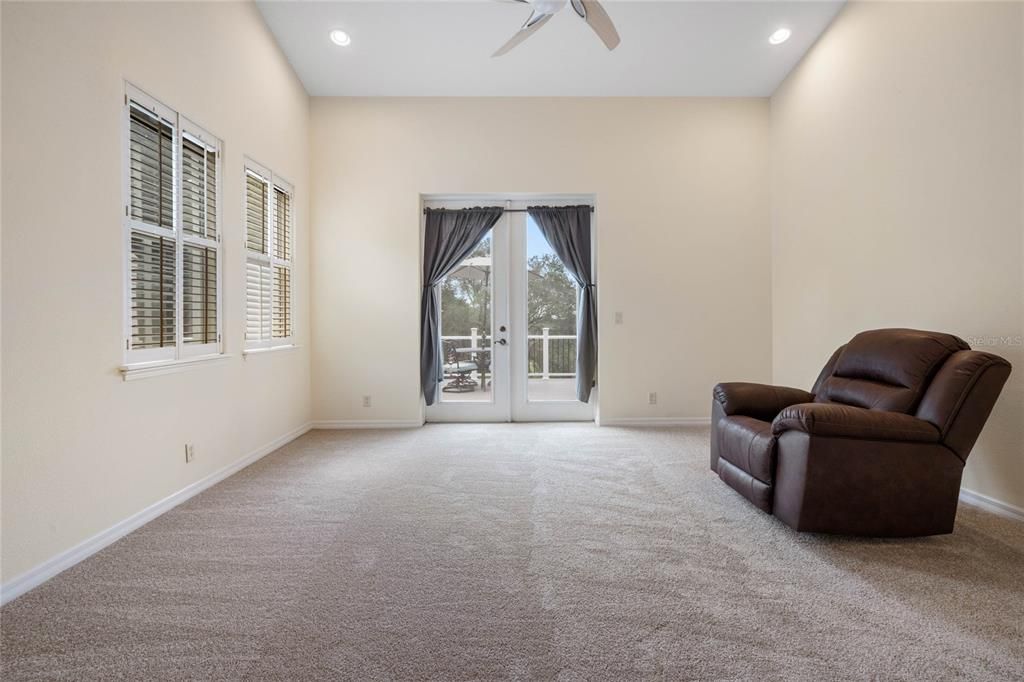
point(652, 398)
point(618, 317)
point(190, 452)
point(367, 401)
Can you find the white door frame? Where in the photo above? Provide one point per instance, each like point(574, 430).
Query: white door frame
point(509, 362)
point(524, 409)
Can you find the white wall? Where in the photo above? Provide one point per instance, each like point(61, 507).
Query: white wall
point(83, 450)
point(897, 197)
point(682, 236)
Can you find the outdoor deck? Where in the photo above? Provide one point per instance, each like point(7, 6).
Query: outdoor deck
point(556, 388)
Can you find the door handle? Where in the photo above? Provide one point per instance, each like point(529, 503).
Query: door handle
point(503, 342)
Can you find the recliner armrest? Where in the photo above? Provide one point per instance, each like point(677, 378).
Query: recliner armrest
point(760, 401)
point(847, 421)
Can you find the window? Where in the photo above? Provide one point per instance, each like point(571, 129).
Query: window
point(268, 263)
point(171, 231)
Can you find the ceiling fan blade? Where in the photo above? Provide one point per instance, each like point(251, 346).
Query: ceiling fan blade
point(535, 21)
point(595, 16)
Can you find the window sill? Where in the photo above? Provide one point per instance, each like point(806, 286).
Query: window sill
point(144, 370)
point(272, 349)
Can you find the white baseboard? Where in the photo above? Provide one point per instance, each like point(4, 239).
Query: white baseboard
point(367, 424)
point(655, 421)
point(992, 504)
point(37, 576)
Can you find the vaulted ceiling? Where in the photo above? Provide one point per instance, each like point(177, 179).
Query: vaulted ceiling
point(443, 48)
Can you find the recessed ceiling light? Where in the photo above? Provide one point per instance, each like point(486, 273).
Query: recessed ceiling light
point(339, 37)
point(780, 36)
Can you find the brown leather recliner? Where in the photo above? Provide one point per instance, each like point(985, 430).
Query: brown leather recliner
point(876, 448)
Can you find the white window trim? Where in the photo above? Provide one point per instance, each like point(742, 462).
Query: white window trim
point(272, 181)
point(257, 352)
point(143, 370)
point(142, 362)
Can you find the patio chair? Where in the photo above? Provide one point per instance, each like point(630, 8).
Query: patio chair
point(458, 372)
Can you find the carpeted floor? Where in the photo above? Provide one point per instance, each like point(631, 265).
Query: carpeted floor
point(522, 551)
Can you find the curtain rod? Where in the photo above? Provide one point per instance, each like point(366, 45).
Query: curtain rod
point(503, 210)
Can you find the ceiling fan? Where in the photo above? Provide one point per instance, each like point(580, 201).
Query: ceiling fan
point(588, 10)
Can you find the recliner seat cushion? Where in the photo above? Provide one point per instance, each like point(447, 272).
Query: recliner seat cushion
point(887, 369)
point(749, 445)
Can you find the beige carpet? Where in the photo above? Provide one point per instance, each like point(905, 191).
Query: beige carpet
point(516, 552)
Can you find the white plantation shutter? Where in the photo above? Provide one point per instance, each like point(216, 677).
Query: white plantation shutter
point(193, 187)
point(258, 295)
point(211, 192)
point(282, 302)
point(282, 264)
point(269, 245)
point(282, 224)
point(200, 242)
point(199, 296)
point(152, 268)
point(152, 291)
point(257, 300)
point(151, 171)
point(172, 244)
point(257, 213)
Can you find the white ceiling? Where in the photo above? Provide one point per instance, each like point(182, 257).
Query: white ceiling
point(443, 48)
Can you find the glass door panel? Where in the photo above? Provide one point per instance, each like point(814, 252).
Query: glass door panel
point(551, 299)
point(543, 301)
point(474, 304)
point(466, 324)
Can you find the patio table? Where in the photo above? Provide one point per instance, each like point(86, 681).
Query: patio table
point(473, 350)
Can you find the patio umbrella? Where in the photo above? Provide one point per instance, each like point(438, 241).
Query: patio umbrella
point(477, 267)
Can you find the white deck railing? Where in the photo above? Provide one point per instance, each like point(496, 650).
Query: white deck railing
point(545, 337)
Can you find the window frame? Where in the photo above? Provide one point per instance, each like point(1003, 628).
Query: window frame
point(210, 143)
point(272, 182)
point(182, 126)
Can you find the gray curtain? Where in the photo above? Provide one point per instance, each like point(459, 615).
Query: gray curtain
point(567, 229)
point(449, 238)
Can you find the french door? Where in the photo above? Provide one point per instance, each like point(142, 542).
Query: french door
point(508, 327)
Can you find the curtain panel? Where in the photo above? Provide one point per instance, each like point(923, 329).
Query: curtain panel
point(450, 236)
point(567, 229)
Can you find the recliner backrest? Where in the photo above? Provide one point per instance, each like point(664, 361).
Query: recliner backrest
point(827, 370)
point(961, 396)
point(886, 369)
